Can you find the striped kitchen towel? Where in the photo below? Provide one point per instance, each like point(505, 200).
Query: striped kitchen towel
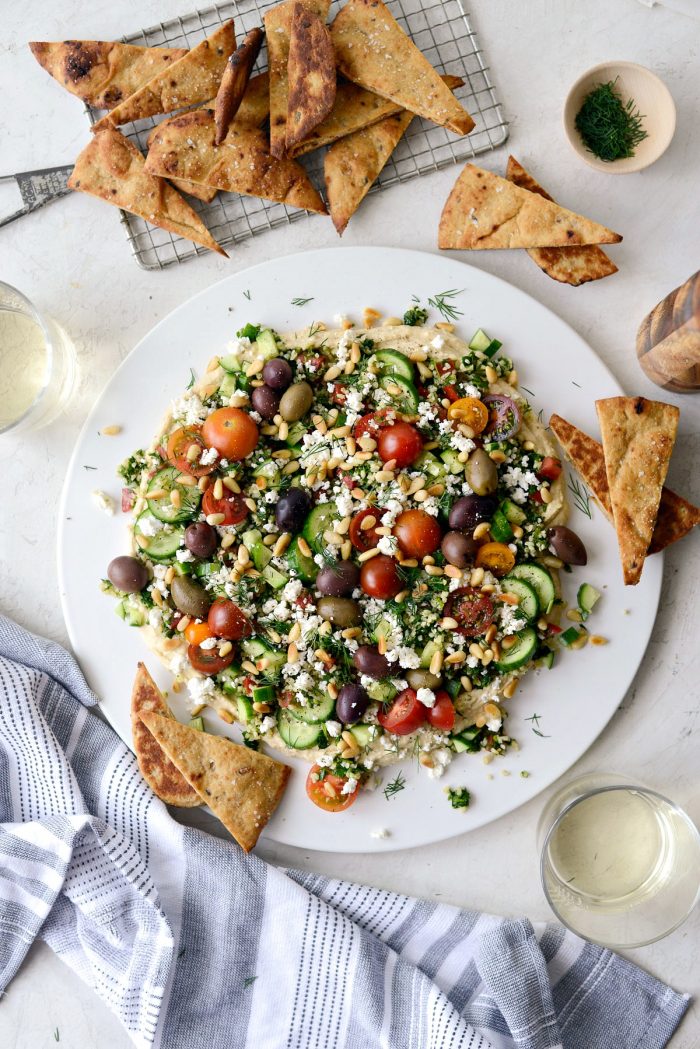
point(195, 945)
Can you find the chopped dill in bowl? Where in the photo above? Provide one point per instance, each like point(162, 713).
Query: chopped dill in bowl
point(609, 128)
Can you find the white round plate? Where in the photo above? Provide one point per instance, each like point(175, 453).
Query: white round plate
point(571, 703)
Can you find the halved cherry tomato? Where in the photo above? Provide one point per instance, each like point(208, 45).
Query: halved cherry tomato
point(232, 432)
point(226, 620)
point(329, 798)
point(208, 660)
point(442, 714)
point(451, 393)
point(404, 715)
point(231, 505)
point(380, 577)
point(418, 533)
point(367, 538)
point(469, 410)
point(179, 443)
point(550, 468)
point(197, 632)
point(473, 610)
point(497, 557)
point(401, 442)
point(369, 425)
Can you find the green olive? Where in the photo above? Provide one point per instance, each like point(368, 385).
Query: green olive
point(296, 401)
point(341, 611)
point(190, 598)
point(422, 679)
point(482, 473)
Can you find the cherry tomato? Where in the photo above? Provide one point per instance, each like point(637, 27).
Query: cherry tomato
point(550, 468)
point(442, 714)
point(232, 432)
point(231, 505)
point(226, 620)
point(369, 425)
point(179, 443)
point(197, 632)
point(443, 367)
point(380, 577)
point(497, 557)
point(329, 798)
point(365, 539)
point(469, 410)
point(208, 661)
point(473, 610)
point(451, 393)
point(404, 715)
point(401, 442)
point(418, 533)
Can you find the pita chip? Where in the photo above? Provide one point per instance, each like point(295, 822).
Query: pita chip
point(241, 786)
point(675, 519)
point(638, 437)
point(112, 168)
point(311, 74)
point(486, 211)
point(235, 81)
point(102, 72)
point(184, 148)
point(373, 51)
point(574, 266)
point(278, 26)
point(192, 79)
point(156, 768)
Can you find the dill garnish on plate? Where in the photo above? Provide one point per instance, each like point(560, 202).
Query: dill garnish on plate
point(610, 128)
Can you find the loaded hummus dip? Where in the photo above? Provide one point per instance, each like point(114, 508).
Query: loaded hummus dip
point(348, 542)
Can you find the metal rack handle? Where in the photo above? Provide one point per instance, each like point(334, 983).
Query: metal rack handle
point(37, 188)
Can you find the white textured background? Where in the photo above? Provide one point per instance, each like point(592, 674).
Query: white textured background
point(72, 259)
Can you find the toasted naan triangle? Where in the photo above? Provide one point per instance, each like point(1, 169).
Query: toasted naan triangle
point(311, 74)
point(112, 168)
point(192, 79)
point(372, 50)
point(486, 211)
point(184, 148)
point(574, 266)
point(241, 786)
point(156, 767)
point(103, 72)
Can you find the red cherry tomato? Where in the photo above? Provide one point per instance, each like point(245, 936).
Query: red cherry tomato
point(473, 610)
point(380, 577)
point(208, 661)
point(418, 533)
point(442, 714)
point(550, 468)
point(179, 443)
point(226, 620)
point(329, 798)
point(231, 505)
point(451, 393)
point(232, 432)
point(369, 425)
point(401, 442)
point(365, 539)
point(404, 715)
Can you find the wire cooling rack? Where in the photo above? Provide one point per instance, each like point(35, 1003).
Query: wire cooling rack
point(440, 29)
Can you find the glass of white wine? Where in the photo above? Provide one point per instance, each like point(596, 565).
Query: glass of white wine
point(37, 365)
point(620, 863)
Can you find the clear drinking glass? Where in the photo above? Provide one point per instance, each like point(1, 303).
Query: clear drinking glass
point(620, 863)
point(37, 365)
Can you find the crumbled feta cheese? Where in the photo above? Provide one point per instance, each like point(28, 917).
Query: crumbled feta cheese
point(438, 342)
point(190, 409)
point(382, 832)
point(208, 456)
point(103, 502)
point(441, 759)
point(155, 619)
point(150, 526)
point(388, 545)
point(334, 728)
point(407, 658)
point(349, 786)
point(200, 688)
point(208, 643)
point(462, 443)
point(184, 555)
point(426, 696)
point(179, 662)
point(267, 724)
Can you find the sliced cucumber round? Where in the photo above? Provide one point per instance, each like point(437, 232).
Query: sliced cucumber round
point(319, 521)
point(304, 567)
point(391, 362)
point(163, 545)
point(318, 709)
point(166, 481)
point(529, 603)
point(522, 651)
point(541, 582)
point(404, 395)
point(300, 735)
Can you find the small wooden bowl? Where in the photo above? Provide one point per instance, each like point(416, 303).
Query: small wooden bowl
point(652, 99)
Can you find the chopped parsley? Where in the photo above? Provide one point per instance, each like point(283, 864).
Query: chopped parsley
point(250, 331)
point(132, 468)
point(415, 315)
point(459, 797)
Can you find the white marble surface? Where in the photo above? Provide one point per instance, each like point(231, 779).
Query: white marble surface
point(72, 259)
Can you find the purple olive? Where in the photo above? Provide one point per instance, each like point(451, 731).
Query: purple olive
point(201, 539)
point(338, 580)
point(567, 546)
point(278, 373)
point(292, 509)
point(351, 704)
point(265, 401)
point(459, 549)
point(127, 574)
point(471, 510)
point(368, 660)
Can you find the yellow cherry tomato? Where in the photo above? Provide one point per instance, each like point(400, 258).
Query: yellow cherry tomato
point(471, 411)
point(197, 632)
point(497, 557)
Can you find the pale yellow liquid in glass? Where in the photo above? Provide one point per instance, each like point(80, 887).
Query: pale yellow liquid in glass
point(23, 364)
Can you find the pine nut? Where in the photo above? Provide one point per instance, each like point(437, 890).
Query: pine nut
point(545, 495)
point(351, 632)
point(421, 495)
point(542, 624)
point(332, 373)
point(187, 480)
point(367, 444)
point(111, 431)
point(551, 562)
point(513, 378)
point(390, 465)
point(282, 453)
point(231, 484)
point(418, 355)
point(303, 547)
point(466, 683)
point(510, 599)
point(383, 476)
point(183, 624)
point(370, 316)
point(355, 353)
point(332, 690)
point(426, 761)
point(333, 539)
point(249, 667)
point(528, 446)
point(580, 642)
point(491, 374)
point(510, 687)
point(436, 489)
point(517, 531)
point(291, 468)
point(488, 657)
point(488, 588)
point(381, 645)
point(203, 483)
point(369, 554)
point(218, 489)
point(193, 453)
point(215, 519)
point(490, 633)
point(574, 615)
point(225, 715)
point(423, 369)
point(170, 575)
point(476, 651)
point(436, 662)
point(416, 484)
point(160, 493)
point(453, 572)
point(476, 577)
point(243, 555)
point(157, 598)
point(343, 526)
point(409, 562)
point(507, 642)
point(225, 648)
point(351, 444)
point(329, 789)
point(346, 550)
point(261, 482)
point(445, 326)
point(175, 498)
point(368, 522)
point(283, 431)
point(481, 531)
point(401, 597)
point(497, 456)
point(254, 367)
point(455, 658)
point(433, 570)
point(358, 494)
point(281, 544)
point(261, 708)
point(597, 639)
point(177, 686)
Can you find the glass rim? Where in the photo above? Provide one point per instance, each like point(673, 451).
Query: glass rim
point(585, 796)
point(41, 393)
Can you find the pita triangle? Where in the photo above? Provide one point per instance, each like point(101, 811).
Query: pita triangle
point(311, 76)
point(486, 211)
point(241, 786)
point(111, 168)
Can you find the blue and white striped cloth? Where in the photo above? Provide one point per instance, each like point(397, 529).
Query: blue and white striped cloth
point(195, 945)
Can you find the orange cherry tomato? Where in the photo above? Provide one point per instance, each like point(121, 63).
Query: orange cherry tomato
point(232, 432)
point(329, 798)
point(197, 632)
point(497, 557)
point(469, 410)
point(418, 533)
point(179, 443)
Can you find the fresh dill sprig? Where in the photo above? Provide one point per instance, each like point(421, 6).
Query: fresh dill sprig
point(246, 294)
point(395, 786)
point(440, 303)
point(609, 127)
point(89, 467)
point(581, 497)
point(532, 394)
point(57, 1035)
point(301, 301)
point(535, 726)
point(190, 384)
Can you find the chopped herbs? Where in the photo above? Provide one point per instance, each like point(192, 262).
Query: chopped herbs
point(609, 128)
point(441, 303)
point(535, 726)
point(246, 294)
point(89, 467)
point(301, 302)
point(581, 497)
point(57, 1035)
point(250, 331)
point(190, 384)
point(415, 315)
point(131, 469)
point(459, 797)
point(395, 786)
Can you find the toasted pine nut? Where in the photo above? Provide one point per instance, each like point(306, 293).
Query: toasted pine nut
point(436, 662)
point(542, 624)
point(426, 761)
point(291, 468)
point(545, 495)
point(110, 431)
point(384, 475)
point(225, 648)
point(487, 588)
point(332, 373)
point(513, 377)
point(433, 570)
point(445, 326)
point(381, 645)
point(177, 686)
point(476, 651)
point(187, 480)
point(507, 642)
point(488, 657)
point(218, 488)
point(466, 683)
point(401, 597)
point(351, 444)
point(183, 624)
point(448, 623)
point(157, 597)
point(368, 522)
point(261, 708)
point(231, 484)
point(597, 639)
point(455, 658)
point(254, 367)
point(355, 353)
point(497, 456)
point(170, 575)
point(574, 615)
point(510, 599)
point(226, 716)
point(215, 519)
point(332, 689)
point(282, 544)
point(416, 484)
point(346, 550)
point(329, 789)
point(510, 687)
point(175, 498)
point(370, 316)
point(369, 554)
point(528, 446)
point(421, 495)
point(580, 642)
point(409, 562)
point(358, 494)
point(481, 530)
point(517, 531)
point(476, 577)
point(261, 482)
point(453, 572)
point(491, 374)
point(367, 444)
point(243, 555)
point(203, 483)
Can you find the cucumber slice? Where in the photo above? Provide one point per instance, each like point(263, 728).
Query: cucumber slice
point(275, 579)
point(319, 708)
point(246, 714)
point(296, 432)
point(300, 735)
point(266, 344)
point(547, 659)
point(228, 386)
point(451, 460)
point(166, 481)
point(162, 546)
point(270, 471)
point(230, 363)
point(228, 679)
point(512, 512)
point(197, 724)
point(382, 629)
point(254, 648)
point(483, 343)
point(321, 518)
point(381, 691)
point(429, 464)
point(204, 569)
point(364, 734)
point(541, 582)
point(529, 603)
point(260, 554)
point(466, 741)
point(521, 652)
point(302, 566)
point(263, 694)
point(569, 636)
point(501, 531)
point(391, 362)
point(587, 597)
point(404, 396)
